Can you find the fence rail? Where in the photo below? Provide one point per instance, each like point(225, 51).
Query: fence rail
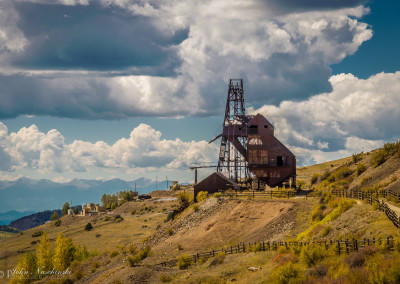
point(371, 197)
point(341, 246)
point(260, 194)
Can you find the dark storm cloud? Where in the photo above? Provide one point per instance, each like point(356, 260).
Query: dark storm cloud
point(94, 38)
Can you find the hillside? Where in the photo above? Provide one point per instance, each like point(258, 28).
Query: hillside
point(222, 222)
point(9, 216)
point(33, 220)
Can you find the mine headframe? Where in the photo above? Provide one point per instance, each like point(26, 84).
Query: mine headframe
point(232, 155)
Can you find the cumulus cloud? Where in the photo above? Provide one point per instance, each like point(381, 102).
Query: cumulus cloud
point(359, 114)
point(173, 57)
point(29, 148)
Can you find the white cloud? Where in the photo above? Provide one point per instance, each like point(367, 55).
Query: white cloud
point(12, 40)
point(47, 152)
point(357, 115)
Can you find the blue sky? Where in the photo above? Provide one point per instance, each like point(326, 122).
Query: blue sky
point(101, 89)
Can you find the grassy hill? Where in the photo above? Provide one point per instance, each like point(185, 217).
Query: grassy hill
point(119, 239)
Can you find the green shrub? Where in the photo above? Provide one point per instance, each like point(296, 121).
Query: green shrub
point(88, 227)
point(184, 261)
point(356, 157)
point(196, 207)
point(300, 184)
point(165, 278)
point(81, 253)
point(324, 175)
point(37, 234)
point(318, 213)
point(312, 254)
point(287, 273)
point(184, 200)
point(217, 195)
point(114, 253)
point(57, 223)
point(364, 180)
point(326, 231)
point(360, 169)
point(180, 247)
point(132, 249)
point(170, 216)
point(218, 259)
point(381, 155)
point(314, 178)
point(133, 212)
point(134, 260)
point(78, 275)
point(170, 232)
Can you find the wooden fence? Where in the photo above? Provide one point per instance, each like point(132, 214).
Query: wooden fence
point(341, 246)
point(260, 194)
point(371, 197)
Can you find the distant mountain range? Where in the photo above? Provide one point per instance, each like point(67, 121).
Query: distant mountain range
point(27, 194)
point(7, 217)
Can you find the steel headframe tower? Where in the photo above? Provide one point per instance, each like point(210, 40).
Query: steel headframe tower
point(234, 132)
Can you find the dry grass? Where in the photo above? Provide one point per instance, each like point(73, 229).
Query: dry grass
point(111, 234)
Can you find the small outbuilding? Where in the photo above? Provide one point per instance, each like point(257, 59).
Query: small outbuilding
point(215, 182)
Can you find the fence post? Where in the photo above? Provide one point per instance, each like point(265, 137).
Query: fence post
point(338, 246)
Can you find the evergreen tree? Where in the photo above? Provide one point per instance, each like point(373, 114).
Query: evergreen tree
point(76, 210)
point(54, 216)
point(44, 253)
point(64, 252)
point(65, 208)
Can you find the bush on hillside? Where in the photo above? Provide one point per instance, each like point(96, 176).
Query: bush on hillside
point(217, 195)
point(89, 226)
point(134, 260)
point(314, 178)
point(287, 273)
point(360, 169)
point(184, 200)
point(202, 195)
point(184, 261)
point(311, 255)
point(324, 175)
point(356, 157)
point(37, 234)
point(384, 153)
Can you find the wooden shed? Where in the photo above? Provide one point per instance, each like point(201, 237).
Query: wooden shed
point(215, 182)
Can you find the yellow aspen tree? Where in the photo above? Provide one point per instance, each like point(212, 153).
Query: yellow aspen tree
point(44, 254)
point(63, 253)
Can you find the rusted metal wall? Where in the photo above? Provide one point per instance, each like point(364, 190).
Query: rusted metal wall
point(268, 159)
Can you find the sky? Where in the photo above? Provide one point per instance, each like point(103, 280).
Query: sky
point(134, 88)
